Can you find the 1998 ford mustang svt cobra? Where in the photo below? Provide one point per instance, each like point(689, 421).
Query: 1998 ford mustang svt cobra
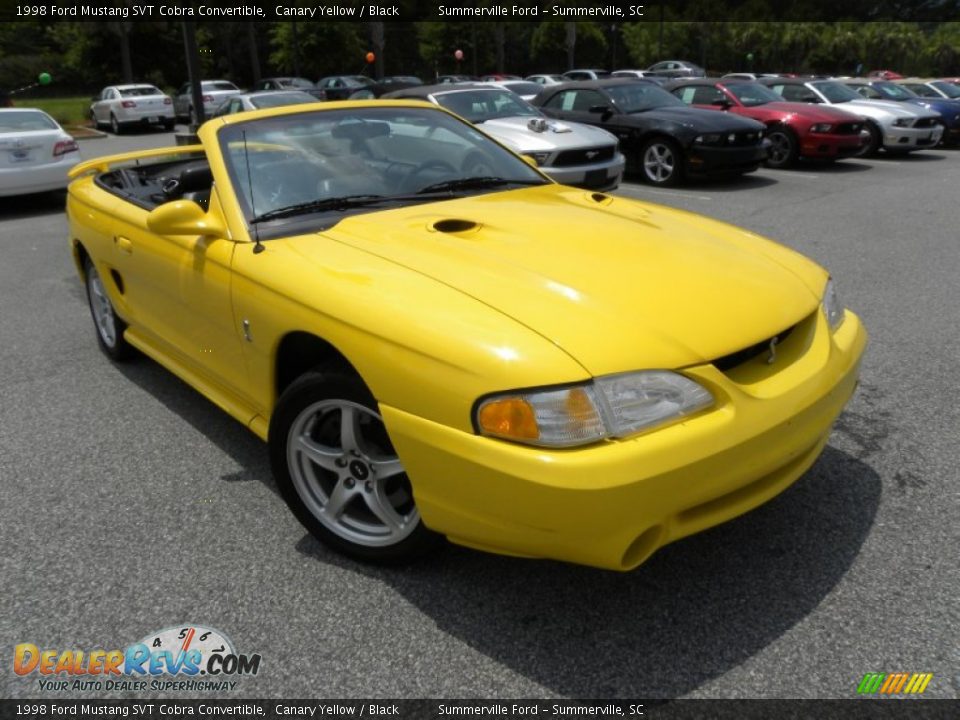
point(519, 366)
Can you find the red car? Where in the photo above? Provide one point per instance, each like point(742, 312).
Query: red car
point(794, 129)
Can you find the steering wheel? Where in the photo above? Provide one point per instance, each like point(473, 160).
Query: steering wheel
point(435, 165)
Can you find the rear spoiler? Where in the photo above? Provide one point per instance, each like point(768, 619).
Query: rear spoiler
point(103, 164)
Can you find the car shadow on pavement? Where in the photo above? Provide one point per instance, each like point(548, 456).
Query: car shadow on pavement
point(723, 182)
point(919, 156)
point(230, 436)
point(838, 167)
point(695, 610)
point(33, 205)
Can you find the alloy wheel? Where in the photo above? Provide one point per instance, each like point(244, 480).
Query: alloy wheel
point(348, 475)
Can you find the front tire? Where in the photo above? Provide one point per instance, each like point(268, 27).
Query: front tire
point(873, 144)
point(108, 325)
point(337, 470)
point(661, 162)
point(784, 148)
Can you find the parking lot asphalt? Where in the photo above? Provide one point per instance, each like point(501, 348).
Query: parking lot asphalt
point(132, 504)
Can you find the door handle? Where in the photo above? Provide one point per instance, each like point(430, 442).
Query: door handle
point(124, 244)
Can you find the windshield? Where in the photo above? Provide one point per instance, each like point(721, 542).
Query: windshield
point(892, 91)
point(639, 96)
point(948, 89)
point(835, 92)
point(12, 121)
point(314, 168)
point(523, 88)
point(478, 106)
point(212, 85)
point(752, 94)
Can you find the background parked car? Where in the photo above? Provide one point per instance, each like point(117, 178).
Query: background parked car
point(341, 87)
point(676, 69)
point(527, 90)
point(629, 73)
point(290, 83)
point(794, 130)
point(214, 93)
point(885, 90)
point(123, 106)
point(594, 74)
point(570, 153)
point(261, 100)
point(895, 127)
point(660, 136)
point(542, 79)
point(35, 152)
point(932, 88)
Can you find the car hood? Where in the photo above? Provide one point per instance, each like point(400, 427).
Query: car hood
point(813, 113)
point(517, 133)
point(698, 119)
point(616, 284)
point(885, 109)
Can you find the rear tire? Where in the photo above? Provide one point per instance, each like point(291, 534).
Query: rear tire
point(115, 127)
point(108, 325)
point(337, 470)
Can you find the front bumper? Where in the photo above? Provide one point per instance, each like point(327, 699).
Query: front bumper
point(895, 138)
point(708, 160)
point(830, 145)
point(613, 504)
point(600, 176)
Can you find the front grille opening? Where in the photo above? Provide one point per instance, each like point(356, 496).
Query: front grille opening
point(735, 359)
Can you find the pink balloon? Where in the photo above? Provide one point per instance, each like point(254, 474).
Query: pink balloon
point(458, 54)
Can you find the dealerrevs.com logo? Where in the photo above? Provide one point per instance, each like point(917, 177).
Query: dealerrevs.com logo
point(185, 657)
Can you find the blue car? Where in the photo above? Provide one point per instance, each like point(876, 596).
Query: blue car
point(949, 109)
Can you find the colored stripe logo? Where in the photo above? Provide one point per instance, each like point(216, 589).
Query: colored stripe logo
point(894, 683)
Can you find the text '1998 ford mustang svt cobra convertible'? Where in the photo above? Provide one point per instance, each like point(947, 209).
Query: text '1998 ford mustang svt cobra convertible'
point(520, 366)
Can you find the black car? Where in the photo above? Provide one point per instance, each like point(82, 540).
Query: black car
point(289, 83)
point(661, 137)
point(343, 87)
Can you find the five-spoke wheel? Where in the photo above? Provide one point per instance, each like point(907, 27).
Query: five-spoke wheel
point(661, 162)
point(109, 327)
point(337, 469)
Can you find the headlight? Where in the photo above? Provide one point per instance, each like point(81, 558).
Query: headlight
point(902, 122)
point(540, 157)
point(832, 307)
point(821, 128)
point(609, 406)
point(711, 139)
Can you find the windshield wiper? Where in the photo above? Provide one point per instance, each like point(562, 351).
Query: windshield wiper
point(474, 183)
point(344, 202)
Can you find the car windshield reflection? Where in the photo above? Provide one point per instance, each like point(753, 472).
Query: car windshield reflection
point(329, 164)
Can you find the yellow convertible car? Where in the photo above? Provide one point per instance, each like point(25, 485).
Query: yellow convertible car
point(437, 340)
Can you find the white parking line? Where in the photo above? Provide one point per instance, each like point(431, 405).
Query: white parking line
point(677, 194)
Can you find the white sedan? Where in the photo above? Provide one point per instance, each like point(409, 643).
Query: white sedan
point(123, 106)
point(35, 152)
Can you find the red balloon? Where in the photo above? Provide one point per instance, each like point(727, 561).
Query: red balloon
point(458, 54)
point(371, 57)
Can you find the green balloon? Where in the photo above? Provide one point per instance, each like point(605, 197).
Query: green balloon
point(44, 78)
point(749, 56)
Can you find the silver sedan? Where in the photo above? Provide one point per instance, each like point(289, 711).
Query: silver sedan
point(261, 100)
point(570, 153)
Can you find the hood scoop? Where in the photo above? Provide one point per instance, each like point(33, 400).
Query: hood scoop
point(454, 226)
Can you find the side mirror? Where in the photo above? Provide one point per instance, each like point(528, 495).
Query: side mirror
point(722, 103)
point(532, 162)
point(599, 109)
point(184, 217)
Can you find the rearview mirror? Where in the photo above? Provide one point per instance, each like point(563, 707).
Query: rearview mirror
point(184, 217)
